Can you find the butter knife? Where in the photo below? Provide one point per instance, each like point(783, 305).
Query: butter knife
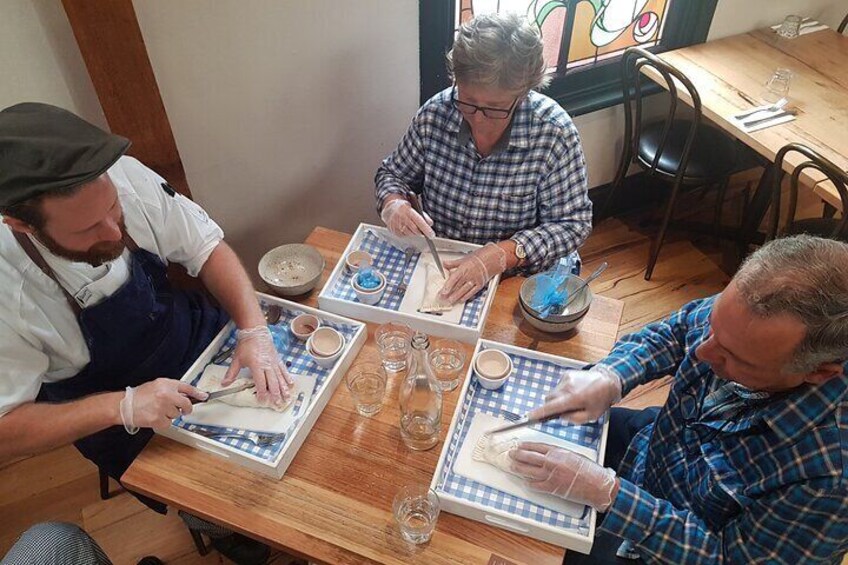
point(226, 392)
point(525, 421)
point(753, 123)
point(416, 205)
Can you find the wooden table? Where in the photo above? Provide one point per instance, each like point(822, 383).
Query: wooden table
point(334, 503)
point(730, 74)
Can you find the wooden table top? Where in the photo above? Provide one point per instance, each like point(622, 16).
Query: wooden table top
point(334, 503)
point(730, 75)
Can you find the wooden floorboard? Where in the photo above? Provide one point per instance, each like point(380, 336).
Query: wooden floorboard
point(61, 485)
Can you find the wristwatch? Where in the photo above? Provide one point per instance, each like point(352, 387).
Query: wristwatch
point(520, 252)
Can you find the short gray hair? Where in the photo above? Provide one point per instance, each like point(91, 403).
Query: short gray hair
point(805, 277)
point(501, 50)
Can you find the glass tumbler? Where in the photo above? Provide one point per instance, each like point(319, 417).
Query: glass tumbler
point(416, 509)
point(447, 359)
point(393, 342)
point(790, 28)
point(367, 385)
point(777, 86)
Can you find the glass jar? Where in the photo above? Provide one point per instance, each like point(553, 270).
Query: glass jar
point(420, 399)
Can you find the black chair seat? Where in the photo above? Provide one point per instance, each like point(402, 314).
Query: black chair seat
point(713, 154)
point(822, 227)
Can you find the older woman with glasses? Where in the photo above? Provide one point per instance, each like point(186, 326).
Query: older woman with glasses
point(496, 163)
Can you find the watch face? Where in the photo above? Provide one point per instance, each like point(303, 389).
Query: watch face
point(520, 252)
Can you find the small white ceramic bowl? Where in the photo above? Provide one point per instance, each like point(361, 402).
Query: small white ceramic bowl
point(354, 258)
point(369, 296)
point(326, 342)
point(321, 360)
point(304, 326)
point(291, 270)
point(493, 368)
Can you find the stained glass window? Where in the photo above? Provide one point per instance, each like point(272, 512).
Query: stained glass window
point(582, 32)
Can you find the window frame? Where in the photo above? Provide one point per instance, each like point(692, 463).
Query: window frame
point(580, 91)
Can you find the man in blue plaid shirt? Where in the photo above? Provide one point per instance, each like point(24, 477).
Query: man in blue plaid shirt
point(497, 163)
point(745, 463)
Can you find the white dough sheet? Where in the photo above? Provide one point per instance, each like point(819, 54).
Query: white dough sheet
point(490, 467)
point(424, 286)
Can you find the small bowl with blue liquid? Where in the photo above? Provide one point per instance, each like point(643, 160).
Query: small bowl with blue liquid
point(369, 285)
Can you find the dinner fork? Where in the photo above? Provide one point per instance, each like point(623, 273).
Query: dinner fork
point(400, 288)
point(773, 108)
point(261, 440)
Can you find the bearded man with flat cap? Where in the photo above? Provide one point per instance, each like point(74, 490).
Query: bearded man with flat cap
point(93, 337)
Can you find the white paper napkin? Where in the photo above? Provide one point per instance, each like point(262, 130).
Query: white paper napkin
point(760, 119)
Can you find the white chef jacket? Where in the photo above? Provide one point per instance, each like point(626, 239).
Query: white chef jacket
point(40, 338)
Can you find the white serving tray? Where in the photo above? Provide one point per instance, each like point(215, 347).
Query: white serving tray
point(488, 512)
point(308, 414)
point(431, 325)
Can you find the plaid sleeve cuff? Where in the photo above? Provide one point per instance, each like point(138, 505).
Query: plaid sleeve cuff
point(631, 375)
point(534, 245)
point(632, 514)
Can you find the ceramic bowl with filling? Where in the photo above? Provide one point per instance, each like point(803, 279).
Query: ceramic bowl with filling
point(369, 296)
point(355, 258)
point(493, 368)
point(291, 269)
point(304, 326)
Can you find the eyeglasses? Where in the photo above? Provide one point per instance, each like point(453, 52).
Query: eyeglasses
point(491, 113)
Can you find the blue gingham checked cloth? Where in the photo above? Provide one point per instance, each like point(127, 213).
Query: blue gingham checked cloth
point(389, 260)
point(526, 389)
point(297, 361)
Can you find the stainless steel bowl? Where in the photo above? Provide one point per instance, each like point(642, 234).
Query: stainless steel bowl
point(555, 322)
point(292, 269)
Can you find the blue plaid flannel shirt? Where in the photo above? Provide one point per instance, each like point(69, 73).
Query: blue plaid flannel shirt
point(766, 487)
point(532, 188)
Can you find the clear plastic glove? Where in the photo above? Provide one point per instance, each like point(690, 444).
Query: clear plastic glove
point(589, 392)
point(402, 220)
point(255, 350)
point(154, 404)
point(472, 272)
point(565, 474)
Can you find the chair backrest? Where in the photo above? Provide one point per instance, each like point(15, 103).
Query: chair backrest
point(838, 177)
point(634, 60)
point(843, 25)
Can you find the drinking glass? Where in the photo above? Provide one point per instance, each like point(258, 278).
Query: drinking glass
point(416, 509)
point(777, 86)
point(367, 385)
point(393, 340)
point(790, 28)
point(447, 358)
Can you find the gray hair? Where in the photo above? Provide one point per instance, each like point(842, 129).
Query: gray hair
point(805, 277)
point(501, 50)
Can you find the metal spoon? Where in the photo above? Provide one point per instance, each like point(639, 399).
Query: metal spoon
point(601, 268)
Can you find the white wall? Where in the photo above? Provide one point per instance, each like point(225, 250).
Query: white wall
point(282, 111)
point(40, 60)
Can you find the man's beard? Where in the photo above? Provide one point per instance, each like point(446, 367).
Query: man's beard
point(96, 255)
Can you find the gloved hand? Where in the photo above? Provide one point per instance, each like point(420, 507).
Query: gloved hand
point(402, 220)
point(564, 473)
point(255, 350)
point(154, 404)
point(471, 273)
point(591, 392)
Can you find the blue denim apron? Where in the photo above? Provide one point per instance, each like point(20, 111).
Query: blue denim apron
point(145, 330)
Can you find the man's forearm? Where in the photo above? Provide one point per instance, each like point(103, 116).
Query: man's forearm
point(37, 427)
point(225, 277)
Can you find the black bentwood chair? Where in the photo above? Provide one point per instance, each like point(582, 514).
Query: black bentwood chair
point(683, 152)
point(827, 226)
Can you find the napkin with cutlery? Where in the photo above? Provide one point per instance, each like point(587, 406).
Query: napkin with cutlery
point(807, 26)
point(762, 117)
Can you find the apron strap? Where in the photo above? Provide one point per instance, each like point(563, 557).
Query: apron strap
point(33, 253)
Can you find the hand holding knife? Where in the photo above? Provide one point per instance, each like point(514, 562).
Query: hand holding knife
point(225, 392)
point(416, 205)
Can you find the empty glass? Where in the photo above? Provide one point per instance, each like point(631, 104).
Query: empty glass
point(447, 358)
point(790, 28)
point(367, 385)
point(777, 86)
point(393, 340)
point(416, 509)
